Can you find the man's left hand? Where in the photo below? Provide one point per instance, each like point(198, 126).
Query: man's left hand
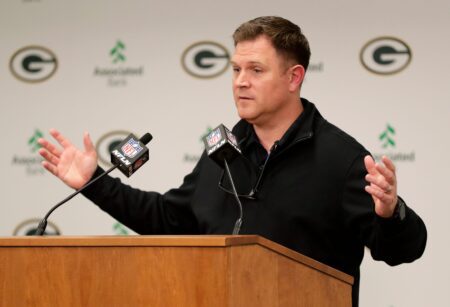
point(383, 185)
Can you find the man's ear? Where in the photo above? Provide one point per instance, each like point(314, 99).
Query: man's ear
point(296, 76)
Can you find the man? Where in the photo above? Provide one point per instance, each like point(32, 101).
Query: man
point(303, 182)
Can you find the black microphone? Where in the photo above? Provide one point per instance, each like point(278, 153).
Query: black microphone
point(222, 147)
point(131, 154)
point(137, 154)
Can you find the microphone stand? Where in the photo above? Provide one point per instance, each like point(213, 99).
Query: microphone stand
point(237, 225)
point(43, 223)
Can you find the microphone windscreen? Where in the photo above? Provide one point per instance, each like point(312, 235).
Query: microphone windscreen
point(146, 138)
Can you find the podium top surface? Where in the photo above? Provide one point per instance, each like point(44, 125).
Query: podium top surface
point(170, 241)
point(134, 240)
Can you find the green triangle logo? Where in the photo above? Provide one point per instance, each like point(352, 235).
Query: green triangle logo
point(116, 52)
point(387, 137)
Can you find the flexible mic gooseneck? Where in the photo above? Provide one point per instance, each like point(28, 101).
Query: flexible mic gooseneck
point(237, 225)
point(222, 147)
point(145, 139)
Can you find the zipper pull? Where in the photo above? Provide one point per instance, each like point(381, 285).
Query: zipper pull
point(271, 150)
point(274, 146)
point(262, 168)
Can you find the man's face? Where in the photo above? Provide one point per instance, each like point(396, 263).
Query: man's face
point(260, 81)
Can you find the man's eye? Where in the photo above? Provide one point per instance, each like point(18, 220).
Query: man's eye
point(236, 69)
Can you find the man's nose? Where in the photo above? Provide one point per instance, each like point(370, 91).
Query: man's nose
point(242, 80)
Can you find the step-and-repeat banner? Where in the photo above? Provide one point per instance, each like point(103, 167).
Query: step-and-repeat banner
point(379, 70)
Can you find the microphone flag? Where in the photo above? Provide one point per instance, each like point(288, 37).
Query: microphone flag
point(221, 144)
point(130, 155)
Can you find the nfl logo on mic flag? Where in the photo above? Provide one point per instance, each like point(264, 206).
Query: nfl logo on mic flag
point(214, 137)
point(131, 148)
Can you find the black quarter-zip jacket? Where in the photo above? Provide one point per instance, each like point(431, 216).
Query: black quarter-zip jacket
point(311, 199)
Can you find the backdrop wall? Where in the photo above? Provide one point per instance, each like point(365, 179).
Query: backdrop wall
point(379, 71)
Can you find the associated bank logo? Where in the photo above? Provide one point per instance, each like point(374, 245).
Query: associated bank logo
point(316, 67)
point(193, 158)
point(389, 147)
point(118, 74)
point(385, 55)
point(33, 140)
point(29, 227)
point(116, 53)
point(387, 137)
point(120, 229)
point(107, 143)
point(33, 64)
point(32, 161)
point(205, 59)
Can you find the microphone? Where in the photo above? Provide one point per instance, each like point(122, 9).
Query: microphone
point(131, 154)
point(222, 147)
point(137, 154)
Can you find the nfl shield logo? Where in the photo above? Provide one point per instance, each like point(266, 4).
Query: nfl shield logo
point(213, 138)
point(232, 138)
point(131, 148)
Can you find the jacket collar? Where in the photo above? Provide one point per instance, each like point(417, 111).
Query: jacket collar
point(302, 127)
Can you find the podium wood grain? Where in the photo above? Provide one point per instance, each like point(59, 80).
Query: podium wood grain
point(164, 271)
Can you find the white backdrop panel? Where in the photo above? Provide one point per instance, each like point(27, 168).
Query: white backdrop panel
point(178, 108)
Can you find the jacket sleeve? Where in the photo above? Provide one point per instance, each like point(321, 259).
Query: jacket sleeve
point(147, 212)
point(388, 239)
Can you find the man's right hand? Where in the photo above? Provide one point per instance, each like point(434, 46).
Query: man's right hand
point(73, 166)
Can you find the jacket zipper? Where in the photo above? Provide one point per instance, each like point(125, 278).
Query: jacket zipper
point(266, 162)
point(302, 139)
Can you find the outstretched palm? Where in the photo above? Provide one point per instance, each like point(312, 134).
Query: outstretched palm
point(73, 166)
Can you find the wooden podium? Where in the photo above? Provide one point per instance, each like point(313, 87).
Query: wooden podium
point(191, 271)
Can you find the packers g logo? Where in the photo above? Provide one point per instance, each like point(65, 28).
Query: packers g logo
point(33, 64)
point(385, 55)
point(205, 59)
point(29, 227)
